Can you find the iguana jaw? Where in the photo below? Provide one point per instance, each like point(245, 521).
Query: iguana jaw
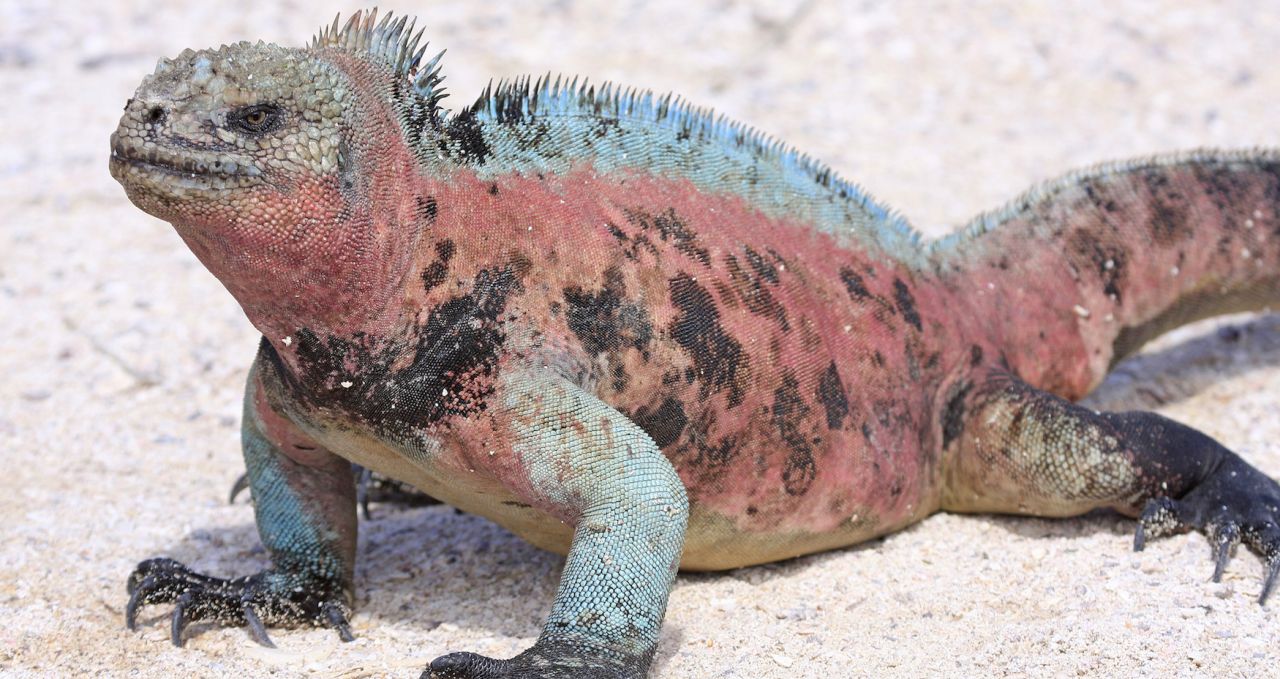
point(157, 169)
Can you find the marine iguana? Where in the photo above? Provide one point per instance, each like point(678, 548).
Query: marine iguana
point(650, 339)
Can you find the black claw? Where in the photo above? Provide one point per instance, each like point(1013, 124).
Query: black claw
point(1159, 517)
point(256, 629)
point(179, 621)
point(1220, 560)
point(237, 487)
point(1226, 536)
point(1273, 568)
point(338, 620)
point(136, 592)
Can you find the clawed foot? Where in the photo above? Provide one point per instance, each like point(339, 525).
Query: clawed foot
point(274, 597)
point(543, 661)
point(1235, 504)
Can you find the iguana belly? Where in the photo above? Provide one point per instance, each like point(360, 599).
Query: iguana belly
point(713, 541)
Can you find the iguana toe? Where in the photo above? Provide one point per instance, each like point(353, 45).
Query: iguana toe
point(1235, 503)
point(241, 483)
point(280, 598)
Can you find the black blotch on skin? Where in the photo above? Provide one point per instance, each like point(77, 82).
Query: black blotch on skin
point(493, 189)
point(631, 245)
point(606, 323)
point(1108, 260)
point(854, 284)
point(533, 136)
point(906, 303)
point(417, 120)
point(663, 424)
point(720, 361)
point(604, 125)
point(763, 268)
point(753, 293)
point(893, 415)
point(671, 227)
point(705, 459)
point(975, 355)
point(437, 270)
point(877, 358)
point(427, 208)
point(789, 413)
point(832, 396)
point(1095, 194)
point(727, 296)
point(1170, 209)
point(1271, 190)
point(953, 413)
point(913, 363)
point(453, 360)
point(1226, 189)
point(464, 134)
point(713, 456)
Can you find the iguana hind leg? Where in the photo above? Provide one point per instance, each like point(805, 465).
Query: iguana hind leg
point(1025, 451)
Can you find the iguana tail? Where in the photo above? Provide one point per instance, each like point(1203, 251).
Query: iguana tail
point(1079, 272)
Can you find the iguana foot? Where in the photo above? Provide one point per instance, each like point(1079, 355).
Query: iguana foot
point(1234, 503)
point(273, 596)
point(543, 661)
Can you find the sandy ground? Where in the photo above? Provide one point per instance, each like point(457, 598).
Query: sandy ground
point(122, 360)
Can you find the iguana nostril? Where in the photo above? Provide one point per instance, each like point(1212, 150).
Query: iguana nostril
point(155, 114)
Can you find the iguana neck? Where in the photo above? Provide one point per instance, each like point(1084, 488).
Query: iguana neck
point(337, 273)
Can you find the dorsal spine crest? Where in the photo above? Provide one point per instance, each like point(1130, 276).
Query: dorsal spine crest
point(392, 42)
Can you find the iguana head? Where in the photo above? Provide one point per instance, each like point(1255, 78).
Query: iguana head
point(289, 172)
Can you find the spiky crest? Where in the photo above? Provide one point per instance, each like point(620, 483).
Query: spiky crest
point(514, 100)
point(392, 42)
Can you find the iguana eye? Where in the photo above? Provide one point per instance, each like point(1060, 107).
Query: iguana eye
point(257, 119)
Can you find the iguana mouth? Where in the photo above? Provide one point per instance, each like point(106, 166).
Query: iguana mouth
point(192, 169)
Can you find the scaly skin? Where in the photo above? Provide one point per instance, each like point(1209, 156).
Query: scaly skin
point(649, 340)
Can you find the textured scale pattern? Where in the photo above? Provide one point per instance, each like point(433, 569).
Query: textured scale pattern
point(649, 338)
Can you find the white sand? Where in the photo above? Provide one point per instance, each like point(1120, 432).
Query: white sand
point(121, 359)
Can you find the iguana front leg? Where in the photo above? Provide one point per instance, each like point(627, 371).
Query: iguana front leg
point(1025, 451)
point(586, 463)
point(304, 500)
